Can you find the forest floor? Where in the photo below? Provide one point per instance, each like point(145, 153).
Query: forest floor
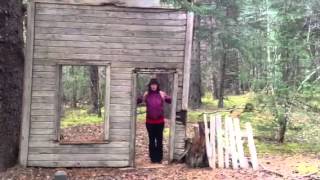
point(287, 166)
point(298, 158)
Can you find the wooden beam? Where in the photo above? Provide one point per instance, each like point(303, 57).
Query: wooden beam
point(213, 133)
point(107, 104)
point(120, 3)
point(252, 147)
point(27, 87)
point(59, 102)
point(187, 61)
point(173, 117)
point(219, 141)
point(133, 121)
point(239, 144)
point(232, 144)
point(226, 144)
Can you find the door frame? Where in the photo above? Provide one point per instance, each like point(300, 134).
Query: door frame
point(174, 95)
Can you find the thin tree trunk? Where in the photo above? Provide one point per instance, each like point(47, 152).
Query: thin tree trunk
point(195, 79)
point(222, 76)
point(74, 88)
point(283, 126)
point(11, 80)
point(166, 85)
point(94, 90)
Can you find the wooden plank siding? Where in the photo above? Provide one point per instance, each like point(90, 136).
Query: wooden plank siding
point(125, 39)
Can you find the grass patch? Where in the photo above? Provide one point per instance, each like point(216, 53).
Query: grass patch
point(301, 137)
point(229, 102)
point(75, 117)
point(268, 147)
point(305, 168)
point(141, 114)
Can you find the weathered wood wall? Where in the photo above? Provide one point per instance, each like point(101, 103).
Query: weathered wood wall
point(127, 38)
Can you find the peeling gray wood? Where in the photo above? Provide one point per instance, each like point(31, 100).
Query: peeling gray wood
point(106, 45)
point(104, 8)
point(68, 18)
point(133, 120)
point(173, 117)
point(76, 163)
point(120, 3)
point(104, 51)
point(84, 151)
point(94, 12)
point(107, 104)
point(52, 144)
point(24, 137)
point(187, 61)
point(58, 37)
point(79, 157)
point(101, 32)
point(110, 27)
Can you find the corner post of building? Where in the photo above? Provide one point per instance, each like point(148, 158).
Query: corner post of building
point(27, 87)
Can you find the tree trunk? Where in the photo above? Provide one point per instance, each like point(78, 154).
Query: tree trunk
point(283, 122)
point(196, 155)
point(195, 78)
point(222, 77)
point(11, 80)
point(74, 88)
point(166, 85)
point(94, 89)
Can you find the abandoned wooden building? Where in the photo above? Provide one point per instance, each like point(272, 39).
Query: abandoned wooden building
point(127, 37)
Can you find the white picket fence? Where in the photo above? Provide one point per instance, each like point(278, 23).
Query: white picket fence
point(224, 142)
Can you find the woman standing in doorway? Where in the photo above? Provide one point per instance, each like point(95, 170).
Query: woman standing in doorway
point(155, 99)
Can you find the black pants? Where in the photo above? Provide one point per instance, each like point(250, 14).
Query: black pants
point(155, 132)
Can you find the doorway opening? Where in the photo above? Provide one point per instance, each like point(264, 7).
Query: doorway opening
point(168, 84)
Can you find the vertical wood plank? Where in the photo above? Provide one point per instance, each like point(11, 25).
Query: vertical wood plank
point(59, 102)
point(173, 116)
point(27, 87)
point(133, 120)
point(208, 143)
point(239, 143)
point(187, 61)
point(226, 144)
point(252, 147)
point(213, 140)
point(107, 104)
point(232, 144)
point(219, 141)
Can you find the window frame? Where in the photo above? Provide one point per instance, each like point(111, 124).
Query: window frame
point(59, 96)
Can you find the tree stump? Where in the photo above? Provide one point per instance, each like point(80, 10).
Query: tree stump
point(196, 148)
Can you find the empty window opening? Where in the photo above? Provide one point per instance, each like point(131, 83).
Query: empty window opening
point(142, 154)
point(82, 104)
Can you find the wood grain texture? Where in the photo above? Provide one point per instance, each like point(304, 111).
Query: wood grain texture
point(252, 147)
point(172, 15)
point(110, 20)
point(133, 120)
point(101, 32)
point(24, 137)
point(153, 4)
point(121, 39)
point(173, 117)
point(76, 163)
point(107, 104)
point(187, 61)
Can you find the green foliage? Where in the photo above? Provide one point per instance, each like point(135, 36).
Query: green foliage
point(75, 117)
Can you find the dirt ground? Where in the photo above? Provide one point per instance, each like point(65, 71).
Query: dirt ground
point(284, 166)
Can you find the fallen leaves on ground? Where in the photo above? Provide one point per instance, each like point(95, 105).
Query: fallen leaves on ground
point(146, 171)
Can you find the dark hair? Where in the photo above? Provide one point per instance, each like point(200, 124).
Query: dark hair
point(154, 81)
